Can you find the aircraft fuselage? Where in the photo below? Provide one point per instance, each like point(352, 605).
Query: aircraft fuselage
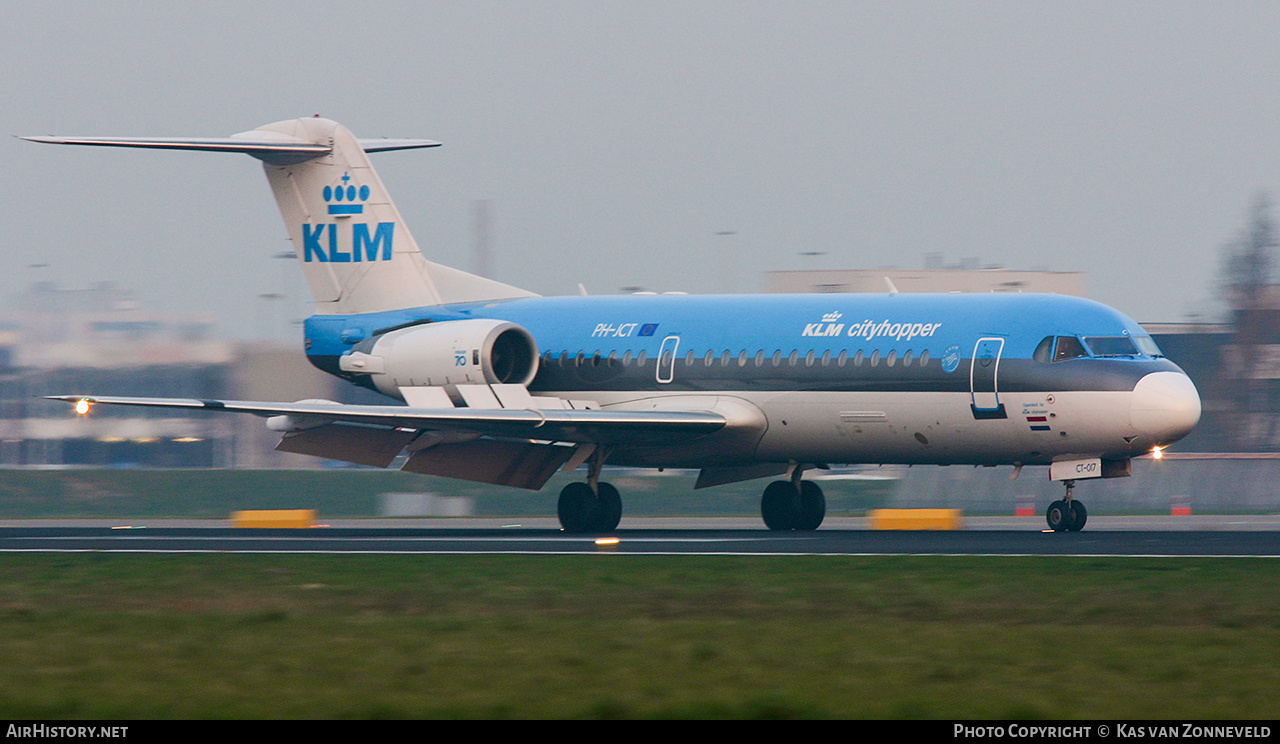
point(914, 379)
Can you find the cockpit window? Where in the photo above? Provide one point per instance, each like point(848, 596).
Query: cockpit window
point(1110, 346)
point(1068, 347)
point(1044, 351)
point(1148, 346)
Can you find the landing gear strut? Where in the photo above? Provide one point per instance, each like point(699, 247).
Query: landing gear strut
point(793, 504)
point(1067, 515)
point(593, 506)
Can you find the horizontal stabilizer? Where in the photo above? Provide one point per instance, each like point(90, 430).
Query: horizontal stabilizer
point(271, 147)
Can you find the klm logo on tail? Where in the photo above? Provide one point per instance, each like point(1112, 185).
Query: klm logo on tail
point(320, 242)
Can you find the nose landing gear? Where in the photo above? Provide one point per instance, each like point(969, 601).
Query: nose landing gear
point(1067, 515)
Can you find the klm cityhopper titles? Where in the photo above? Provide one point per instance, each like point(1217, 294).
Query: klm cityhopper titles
point(499, 385)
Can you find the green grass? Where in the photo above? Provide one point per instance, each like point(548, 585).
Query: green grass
point(611, 636)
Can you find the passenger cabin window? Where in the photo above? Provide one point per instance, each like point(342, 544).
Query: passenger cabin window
point(1068, 347)
point(1111, 346)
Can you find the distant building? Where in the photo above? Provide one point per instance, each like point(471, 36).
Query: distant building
point(1249, 368)
point(98, 341)
point(926, 280)
point(1200, 349)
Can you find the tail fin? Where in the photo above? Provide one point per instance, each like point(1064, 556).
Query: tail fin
point(355, 250)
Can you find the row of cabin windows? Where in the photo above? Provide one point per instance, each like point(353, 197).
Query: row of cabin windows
point(727, 357)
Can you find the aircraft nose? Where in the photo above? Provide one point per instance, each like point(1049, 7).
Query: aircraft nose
point(1165, 406)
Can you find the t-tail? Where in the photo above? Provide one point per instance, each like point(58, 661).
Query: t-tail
point(354, 248)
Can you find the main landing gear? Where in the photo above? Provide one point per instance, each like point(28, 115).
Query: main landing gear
point(592, 506)
point(793, 504)
point(586, 509)
point(1067, 515)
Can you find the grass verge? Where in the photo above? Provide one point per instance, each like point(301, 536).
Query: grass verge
point(257, 636)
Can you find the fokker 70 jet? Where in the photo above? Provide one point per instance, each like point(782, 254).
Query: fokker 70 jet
point(499, 385)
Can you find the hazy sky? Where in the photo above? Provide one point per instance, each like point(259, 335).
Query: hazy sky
point(615, 139)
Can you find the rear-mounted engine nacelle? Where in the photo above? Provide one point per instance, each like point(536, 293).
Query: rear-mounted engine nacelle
point(451, 352)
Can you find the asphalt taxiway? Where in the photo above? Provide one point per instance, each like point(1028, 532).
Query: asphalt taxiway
point(1104, 536)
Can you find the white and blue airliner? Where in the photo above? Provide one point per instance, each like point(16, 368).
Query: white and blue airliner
point(499, 385)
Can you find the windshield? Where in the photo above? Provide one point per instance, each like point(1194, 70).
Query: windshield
point(1068, 348)
point(1148, 346)
point(1105, 346)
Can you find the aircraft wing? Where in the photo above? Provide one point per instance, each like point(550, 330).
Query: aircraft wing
point(521, 447)
point(599, 427)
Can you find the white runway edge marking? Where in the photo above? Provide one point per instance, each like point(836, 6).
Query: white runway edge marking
point(255, 538)
point(638, 554)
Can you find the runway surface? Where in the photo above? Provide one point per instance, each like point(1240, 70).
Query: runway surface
point(1105, 536)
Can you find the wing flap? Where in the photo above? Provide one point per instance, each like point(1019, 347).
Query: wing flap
point(505, 463)
point(363, 445)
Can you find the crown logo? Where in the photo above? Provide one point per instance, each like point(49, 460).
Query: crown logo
point(345, 198)
point(832, 317)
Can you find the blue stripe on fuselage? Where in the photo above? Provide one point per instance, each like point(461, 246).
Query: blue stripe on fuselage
point(764, 342)
point(784, 323)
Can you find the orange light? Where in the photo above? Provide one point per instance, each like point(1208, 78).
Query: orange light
point(82, 407)
point(1157, 453)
